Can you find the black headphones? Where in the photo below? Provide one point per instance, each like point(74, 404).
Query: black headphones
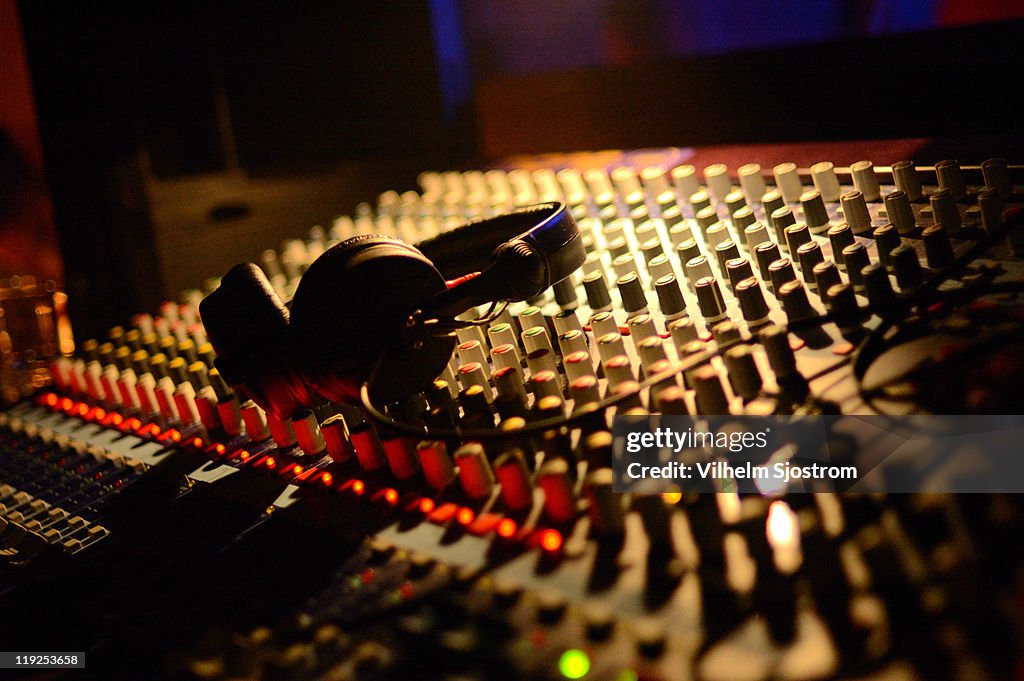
point(377, 303)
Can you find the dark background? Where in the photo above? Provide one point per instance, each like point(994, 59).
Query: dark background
point(178, 138)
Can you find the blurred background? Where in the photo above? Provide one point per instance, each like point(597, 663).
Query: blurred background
point(147, 146)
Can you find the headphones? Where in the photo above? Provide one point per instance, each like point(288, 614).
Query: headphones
point(376, 305)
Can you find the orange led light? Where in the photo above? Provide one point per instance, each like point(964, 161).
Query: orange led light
point(297, 470)
point(67, 404)
point(358, 487)
point(155, 430)
point(174, 435)
point(116, 419)
point(551, 540)
point(465, 516)
point(99, 413)
point(427, 505)
point(271, 462)
point(327, 479)
point(220, 449)
point(197, 442)
point(52, 400)
point(507, 528)
point(83, 408)
point(391, 495)
point(134, 423)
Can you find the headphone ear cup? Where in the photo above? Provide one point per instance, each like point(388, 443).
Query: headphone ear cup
point(247, 324)
point(350, 310)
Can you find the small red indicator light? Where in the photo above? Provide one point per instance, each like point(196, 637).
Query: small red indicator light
point(271, 462)
point(551, 540)
point(465, 516)
point(358, 487)
point(391, 496)
point(507, 528)
point(427, 505)
point(327, 479)
point(220, 449)
point(297, 470)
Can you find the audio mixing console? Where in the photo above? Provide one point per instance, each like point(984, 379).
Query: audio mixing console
point(156, 519)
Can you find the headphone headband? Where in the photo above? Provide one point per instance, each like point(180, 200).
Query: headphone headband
point(518, 255)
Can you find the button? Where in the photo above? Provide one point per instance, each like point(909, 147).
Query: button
point(855, 259)
point(937, 247)
point(906, 180)
point(700, 200)
point(945, 210)
point(841, 301)
point(599, 621)
point(809, 255)
point(738, 269)
point(734, 201)
point(717, 234)
point(705, 217)
point(787, 179)
point(697, 268)
point(755, 233)
point(855, 210)
point(840, 236)
point(678, 232)
point(659, 267)
point(670, 296)
point(598, 297)
point(826, 275)
point(742, 218)
point(634, 300)
point(744, 376)
point(815, 214)
point(825, 181)
point(684, 178)
point(877, 285)
point(865, 180)
point(887, 239)
point(997, 176)
point(771, 202)
point(752, 303)
point(551, 606)
point(779, 272)
point(795, 302)
point(751, 182)
point(781, 219)
point(900, 212)
point(949, 176)
point(709, 299)
point(687, 251)
point(724, 252)
point(796, 236)
point(765, 253)
point(716, 176)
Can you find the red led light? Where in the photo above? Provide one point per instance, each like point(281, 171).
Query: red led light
point(155, 430)
point(99, 413)
point(174, 435)
point(358, 486)
point(271, 462)
point(391, 496)
point(551, 540)
point(244, 455)
point(327, 479)
point(134, 423)
point(297, 470)
point(427, 505)
point(465, 516)
point(67, 404)
point(197, 442)
point(507, 528)
point(116, 419)
point(83, 408)
point(220, 449)
point(52, 400)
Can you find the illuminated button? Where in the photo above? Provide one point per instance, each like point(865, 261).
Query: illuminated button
point(307, 433)
point(367, 448)
point(514, 477)
point(906, 180)
point(865, 180)
point(475, 474)
point(787, 179)
point(823, 175)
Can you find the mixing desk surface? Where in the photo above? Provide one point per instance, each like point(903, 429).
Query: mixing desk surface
point(162, 517)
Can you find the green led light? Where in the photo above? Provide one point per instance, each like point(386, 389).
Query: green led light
point(574, 664)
